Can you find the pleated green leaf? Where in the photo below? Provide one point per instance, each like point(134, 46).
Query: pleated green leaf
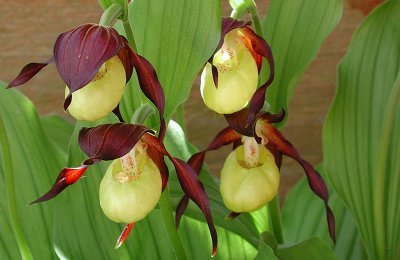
point(35, 163)
point(265, 252)
point(58, 130)
point(295, 31)
point(304, 217)
point(361, 134)
point(312, 249)
point(177, 37)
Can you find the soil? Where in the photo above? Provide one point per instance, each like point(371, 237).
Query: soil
point(28, 30)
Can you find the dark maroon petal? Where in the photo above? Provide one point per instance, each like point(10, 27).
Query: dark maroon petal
point(189, 182)
point(224, 137)
point(124, 235)
point(238, 122)
point(28, 72)
point(158, 159)
point(194, 189)
point(261, 47)
point(80, 53)
point(315, 180)
point(272, 118)
point(151, 87)
point(277, 154)
point(125, 55)
point(232, 215)
point(109, 141)
point(183, 203)
point(66, 177)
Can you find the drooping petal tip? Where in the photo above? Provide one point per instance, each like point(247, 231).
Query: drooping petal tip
point(28, 72)
point(66, 177)
point(232, 215)
point(124, 234)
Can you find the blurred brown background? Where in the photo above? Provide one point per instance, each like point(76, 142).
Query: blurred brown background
point(28, 30)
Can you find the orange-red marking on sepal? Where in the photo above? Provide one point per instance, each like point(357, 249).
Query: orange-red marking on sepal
point(72, 175)
point(124, 235)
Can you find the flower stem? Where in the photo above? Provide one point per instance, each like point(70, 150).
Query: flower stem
point(169, 223)
point(180, 117)
point(276, 219)
point(111, 15)
point(256, 20)
point(129, 34)
point(11, 198)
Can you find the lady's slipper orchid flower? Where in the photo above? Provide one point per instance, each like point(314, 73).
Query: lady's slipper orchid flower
point(230, 78)
point(95, 62)
point(275, 143)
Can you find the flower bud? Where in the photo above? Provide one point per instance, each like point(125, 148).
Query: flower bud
point(247, 188)
point(237, 76)
point(131, 187)
point(100, 96)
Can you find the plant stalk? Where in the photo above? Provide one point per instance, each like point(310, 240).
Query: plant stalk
point(129, 34)
point(111, 15)
point(276, 219)
point(180, 117)
point(169, 223)
point(11, 198)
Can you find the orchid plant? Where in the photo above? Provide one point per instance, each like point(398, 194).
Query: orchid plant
point(130, 163)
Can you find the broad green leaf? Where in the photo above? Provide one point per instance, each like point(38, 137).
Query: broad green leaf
point(304, 217)
point(58, 130)
point(177, 37)
point(35, 162)
point(295, 30)
point(361, 134)
point(265, 252)
point(312, 249)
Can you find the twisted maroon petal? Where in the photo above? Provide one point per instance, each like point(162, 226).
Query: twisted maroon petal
point(272, 118)
point(180, 209)
point(315, 180)
point(125, 55)
point(109, 141)
point(80, 53)
point(158, 159)
point(261, 47)
point(190, 184)
point(66, 177)
point(124, 234)
point(224, 137)
point(151, 87)
point(28, 72)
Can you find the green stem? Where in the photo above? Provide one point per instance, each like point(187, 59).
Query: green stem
point(111, 15)
point(180, 117)
point(11, 198)
point(276, 219)
point(129, 34)
point(256, 20)
point(169, 223)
